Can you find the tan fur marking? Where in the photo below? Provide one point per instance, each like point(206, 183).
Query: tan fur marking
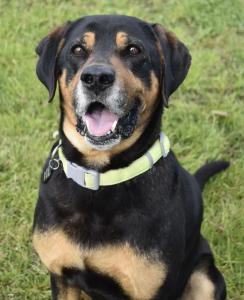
point(93, 157)
point(199, 287)
point(60, 46)
point(121, 39)
point(133, 85)
point(150, 97)
point(73, 294)
point(171, 38)
point(160, 52)
point(56, 250)
point(70, 293)
point(139, 275)
point(89, 40)
point(126, 78)
point(67, 93)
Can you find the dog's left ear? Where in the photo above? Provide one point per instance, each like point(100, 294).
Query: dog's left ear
point(48, 50)
point(177, 61)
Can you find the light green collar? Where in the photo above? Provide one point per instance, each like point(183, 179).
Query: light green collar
point(92, 179)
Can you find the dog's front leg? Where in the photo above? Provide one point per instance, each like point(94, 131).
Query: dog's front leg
point(61, 291)
point(206, 282)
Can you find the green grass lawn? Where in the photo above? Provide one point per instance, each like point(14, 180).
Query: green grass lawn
point(213, 31)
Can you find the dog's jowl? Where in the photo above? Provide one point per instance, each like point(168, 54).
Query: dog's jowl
point(117, 216)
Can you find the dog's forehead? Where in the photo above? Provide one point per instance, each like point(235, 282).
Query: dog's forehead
point(110, 27)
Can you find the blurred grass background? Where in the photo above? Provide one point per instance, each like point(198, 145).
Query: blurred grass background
point(214, 32)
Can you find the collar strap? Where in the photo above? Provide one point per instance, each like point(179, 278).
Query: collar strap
point(92, 179)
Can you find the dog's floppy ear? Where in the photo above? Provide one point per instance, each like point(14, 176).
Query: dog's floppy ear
point(48, 50)
point(177, 61)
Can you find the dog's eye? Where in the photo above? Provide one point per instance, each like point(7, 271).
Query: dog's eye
point(77, 50)
point(133, 50)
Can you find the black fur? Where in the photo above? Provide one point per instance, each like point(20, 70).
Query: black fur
point(160, 210)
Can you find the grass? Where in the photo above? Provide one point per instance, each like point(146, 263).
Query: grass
point(213, 31)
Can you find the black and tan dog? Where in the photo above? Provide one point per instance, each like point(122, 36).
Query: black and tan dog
point(119, 218)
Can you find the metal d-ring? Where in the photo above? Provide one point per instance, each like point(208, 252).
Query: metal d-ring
point(54, 163)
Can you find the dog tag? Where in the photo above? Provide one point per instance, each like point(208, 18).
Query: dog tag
point(53, 164)
point(47, 173)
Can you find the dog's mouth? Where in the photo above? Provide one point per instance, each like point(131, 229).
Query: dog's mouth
point(99, 120)
point(102, 127)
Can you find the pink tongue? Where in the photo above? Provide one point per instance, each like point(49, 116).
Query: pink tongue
point(100, 121)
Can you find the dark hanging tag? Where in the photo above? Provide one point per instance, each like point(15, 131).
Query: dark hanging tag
point(53, 164)
point(47, 174)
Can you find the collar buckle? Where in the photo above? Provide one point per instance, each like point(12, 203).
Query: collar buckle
point(86, 178)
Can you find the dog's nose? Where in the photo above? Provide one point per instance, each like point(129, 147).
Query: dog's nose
point(98, 77)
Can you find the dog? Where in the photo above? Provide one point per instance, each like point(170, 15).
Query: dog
point(117, 216)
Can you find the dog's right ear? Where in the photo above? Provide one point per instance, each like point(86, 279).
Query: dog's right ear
point(48, 50)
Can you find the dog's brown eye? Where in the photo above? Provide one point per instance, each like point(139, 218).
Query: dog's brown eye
point(77, 50)
point(134, 50)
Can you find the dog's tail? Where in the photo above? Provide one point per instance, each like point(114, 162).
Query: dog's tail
point(208, 170)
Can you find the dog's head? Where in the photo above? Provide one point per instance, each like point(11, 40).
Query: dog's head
point(112, 73)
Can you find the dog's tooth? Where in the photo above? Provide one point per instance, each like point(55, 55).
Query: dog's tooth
point(114, 125)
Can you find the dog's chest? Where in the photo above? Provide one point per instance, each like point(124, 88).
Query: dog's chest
point(139, 275)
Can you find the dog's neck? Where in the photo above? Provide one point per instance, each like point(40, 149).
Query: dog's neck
point(121, 159)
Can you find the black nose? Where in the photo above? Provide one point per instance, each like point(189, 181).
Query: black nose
point(98, 77)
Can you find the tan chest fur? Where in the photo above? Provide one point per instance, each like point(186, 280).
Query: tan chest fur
point(139, 275)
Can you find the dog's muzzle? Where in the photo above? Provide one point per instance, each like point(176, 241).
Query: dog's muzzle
point(102, 127)
point(104, 113)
